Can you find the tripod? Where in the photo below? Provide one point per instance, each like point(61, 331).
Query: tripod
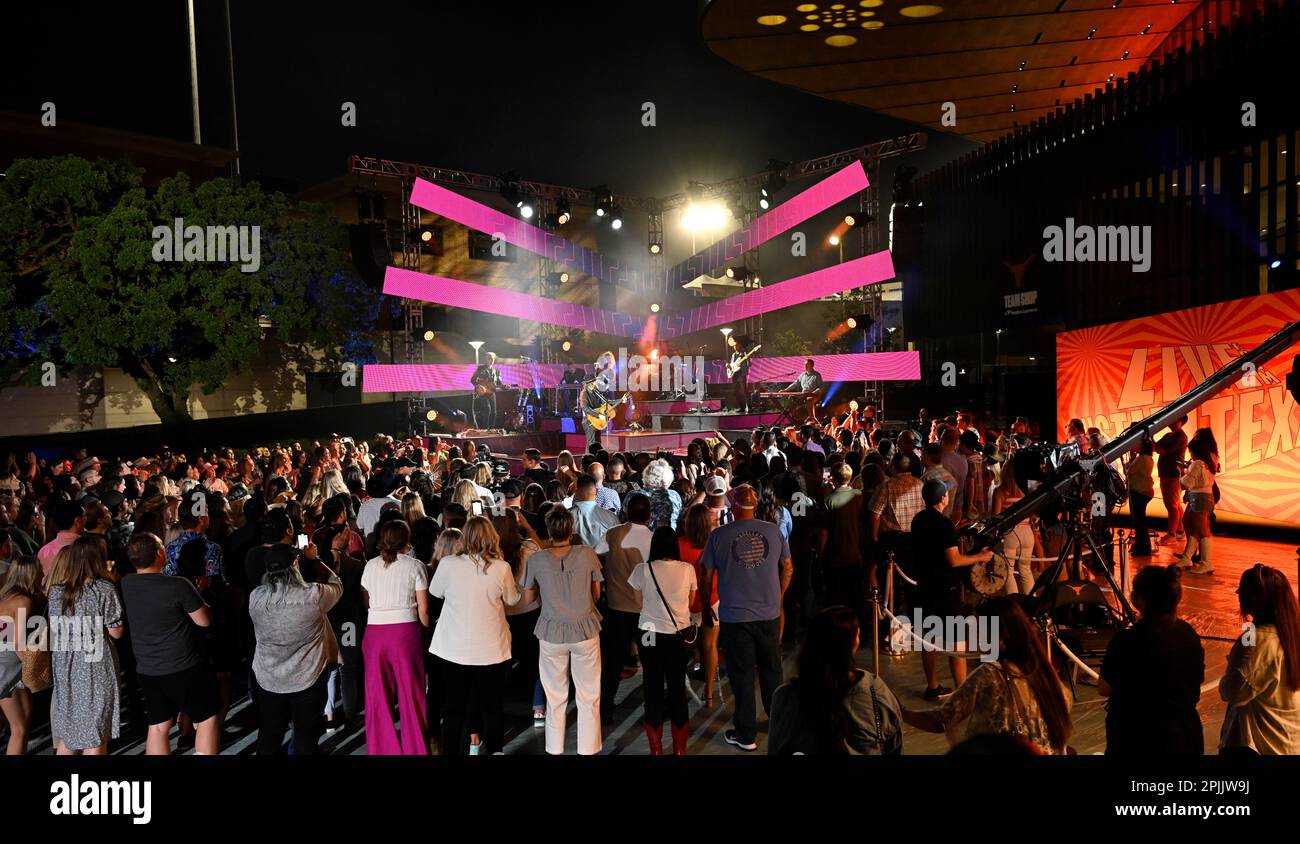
point(1077, 538)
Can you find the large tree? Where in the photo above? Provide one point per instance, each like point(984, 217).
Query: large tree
point(80, 284)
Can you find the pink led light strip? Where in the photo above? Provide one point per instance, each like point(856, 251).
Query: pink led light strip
point(421, 378)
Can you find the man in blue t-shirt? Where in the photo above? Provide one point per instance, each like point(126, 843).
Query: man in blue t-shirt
point(751, 560)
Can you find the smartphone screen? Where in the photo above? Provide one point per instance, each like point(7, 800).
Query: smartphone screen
point(476, 508)
point(302, 540)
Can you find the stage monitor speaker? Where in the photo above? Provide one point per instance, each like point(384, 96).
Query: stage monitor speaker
point(370, 253)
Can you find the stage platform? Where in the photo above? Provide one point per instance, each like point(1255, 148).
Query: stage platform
point(633, 441)
point(655, 407)
point(715, 421)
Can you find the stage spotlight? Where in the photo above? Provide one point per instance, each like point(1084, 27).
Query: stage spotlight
point(654, 308)
point(1275, 263)
point(429, 335)
point(708, 217)
point(563, 213)
point(834, 240)
point(616, 218)
point(566, 346)
point(862, 322)
point(558, 278)
point(773, 183)
point(604, 201)
point(850, 220)
point(426, 235)
point(526, 209)
point(739, 273)
point(656, 247)
point(431, 415)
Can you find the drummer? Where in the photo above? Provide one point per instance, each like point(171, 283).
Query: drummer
point(809, 383)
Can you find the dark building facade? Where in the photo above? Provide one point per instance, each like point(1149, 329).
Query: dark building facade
point(1186, 168)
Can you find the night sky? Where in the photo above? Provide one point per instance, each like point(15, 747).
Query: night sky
point(551, 90)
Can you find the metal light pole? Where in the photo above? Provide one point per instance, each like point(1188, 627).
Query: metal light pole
point(194, 70)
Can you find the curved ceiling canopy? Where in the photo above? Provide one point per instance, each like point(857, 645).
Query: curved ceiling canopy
point(1001, 63)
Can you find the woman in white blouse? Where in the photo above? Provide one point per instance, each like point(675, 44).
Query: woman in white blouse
point(667, 587)
point(472, 637)
point(394, 584)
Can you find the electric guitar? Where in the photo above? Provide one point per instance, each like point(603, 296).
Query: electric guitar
point(600, 417)
point(487, 388)
point(734, 367)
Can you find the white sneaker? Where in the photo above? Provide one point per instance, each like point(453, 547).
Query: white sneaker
point(1182, 562)
point(1203, 568)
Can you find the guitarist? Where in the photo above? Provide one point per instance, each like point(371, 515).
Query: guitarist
point(740, 346)
point(595, 393)
point(486, 382)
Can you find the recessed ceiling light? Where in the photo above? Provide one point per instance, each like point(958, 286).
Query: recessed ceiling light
point(920, 11)
point(772, 20)
point(841, 41)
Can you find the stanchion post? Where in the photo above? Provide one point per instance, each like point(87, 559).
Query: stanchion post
point(875, 631)
point(1123, 566)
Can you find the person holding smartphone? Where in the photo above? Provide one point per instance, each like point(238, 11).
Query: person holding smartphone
point(295, 648)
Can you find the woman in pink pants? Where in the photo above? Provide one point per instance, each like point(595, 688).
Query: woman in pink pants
point(394, 584)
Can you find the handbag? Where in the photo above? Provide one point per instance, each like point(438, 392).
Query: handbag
point(38, 673)
point(690, 633)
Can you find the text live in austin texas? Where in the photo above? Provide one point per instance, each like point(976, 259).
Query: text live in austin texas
point(890, 407)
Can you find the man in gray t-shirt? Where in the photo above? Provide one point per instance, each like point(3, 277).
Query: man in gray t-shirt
point(751, 560)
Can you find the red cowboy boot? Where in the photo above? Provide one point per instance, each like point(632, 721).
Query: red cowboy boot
point(680, 735)
point(655, 735)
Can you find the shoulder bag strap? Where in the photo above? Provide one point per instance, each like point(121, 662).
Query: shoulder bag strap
point(671, 617)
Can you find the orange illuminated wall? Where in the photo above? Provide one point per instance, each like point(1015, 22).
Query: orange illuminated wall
point(1113, 375)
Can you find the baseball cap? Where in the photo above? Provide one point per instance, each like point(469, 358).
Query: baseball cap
point(933, 491)
point(715, 485)
point(744, 497)
point(280, 557)
point(112, 499)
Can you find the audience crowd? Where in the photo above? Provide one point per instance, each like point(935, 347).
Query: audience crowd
point(417, 586)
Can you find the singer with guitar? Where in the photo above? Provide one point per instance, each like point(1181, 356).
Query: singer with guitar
point(595, 410)
point(486, 381)
point(738, 370)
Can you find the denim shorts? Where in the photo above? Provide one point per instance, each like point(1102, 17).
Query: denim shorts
point(1200, 502)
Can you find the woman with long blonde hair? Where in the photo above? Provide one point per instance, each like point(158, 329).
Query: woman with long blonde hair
point(473, 639)
point(20, 597)
point(465, 494)
point(85, 711)
point(412, 508)
point(566, 471)
point(518, 543)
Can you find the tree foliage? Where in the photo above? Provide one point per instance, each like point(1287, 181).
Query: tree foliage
point(79, 284)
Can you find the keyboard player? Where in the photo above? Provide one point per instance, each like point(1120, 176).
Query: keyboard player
point(809, 383)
